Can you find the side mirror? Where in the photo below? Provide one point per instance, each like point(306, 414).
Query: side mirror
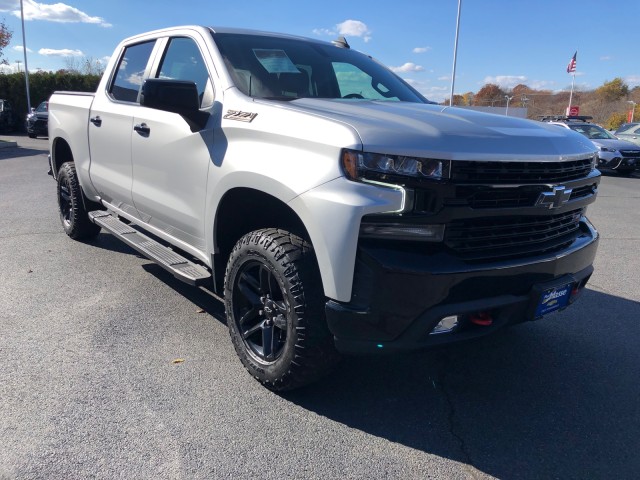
point(176, 96)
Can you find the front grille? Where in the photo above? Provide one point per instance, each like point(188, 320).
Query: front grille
point(630, 153)
point(486, 197)
point(512, 236)
point(464, 171)
point(502, 198)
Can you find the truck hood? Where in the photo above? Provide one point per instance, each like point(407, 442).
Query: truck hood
point(416, 129)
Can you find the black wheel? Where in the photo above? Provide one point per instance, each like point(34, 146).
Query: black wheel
point(275, 310)
point(32, 135)
point(73, 215)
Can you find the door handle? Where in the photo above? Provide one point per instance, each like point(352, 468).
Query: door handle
point(142, 129)
point(97, 121)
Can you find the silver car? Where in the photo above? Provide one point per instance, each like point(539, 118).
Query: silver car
point(613, 153)
point(629, 132)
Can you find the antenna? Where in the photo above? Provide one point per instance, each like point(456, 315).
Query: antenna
point(341, 42)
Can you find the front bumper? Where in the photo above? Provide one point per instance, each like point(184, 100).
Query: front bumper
point(400, 295)
point(618, 163)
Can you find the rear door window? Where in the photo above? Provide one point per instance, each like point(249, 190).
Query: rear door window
point(130, 72)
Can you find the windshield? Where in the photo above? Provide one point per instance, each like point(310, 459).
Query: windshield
point(282, 68)
point(593, 132)
point(627, 126)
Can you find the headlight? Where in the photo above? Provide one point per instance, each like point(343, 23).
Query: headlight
point(605, 149)
point(380, 167)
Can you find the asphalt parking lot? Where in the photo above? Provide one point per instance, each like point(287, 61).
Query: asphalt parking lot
point(89, 333)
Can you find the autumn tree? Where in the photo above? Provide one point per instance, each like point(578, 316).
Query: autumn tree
point(468, 98)
point(613, 90)
point(615, 120)
point(489, 95)
point(5, 38)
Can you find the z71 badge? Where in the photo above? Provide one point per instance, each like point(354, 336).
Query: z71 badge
point(240, 116)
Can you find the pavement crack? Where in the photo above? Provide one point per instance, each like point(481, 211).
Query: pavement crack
point(451, 414)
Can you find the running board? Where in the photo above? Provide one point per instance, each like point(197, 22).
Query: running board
point(180, 267)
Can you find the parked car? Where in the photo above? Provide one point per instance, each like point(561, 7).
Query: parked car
point(614, 154)
point(629, 132)
point(38, 121)
point(7, 117)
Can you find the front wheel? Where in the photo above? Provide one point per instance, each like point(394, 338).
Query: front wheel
point(73, 214)
point(275, 310)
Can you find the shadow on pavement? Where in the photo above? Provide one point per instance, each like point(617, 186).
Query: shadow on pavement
point(553, 399)
point(556, 398)
point(17, 152)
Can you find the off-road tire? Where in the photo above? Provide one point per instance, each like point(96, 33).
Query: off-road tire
point(73, 214)
point(272, 277)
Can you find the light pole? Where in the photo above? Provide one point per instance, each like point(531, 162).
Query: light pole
point(455, 54)
point(633, 109)
point(26, 68)
point(506, 112)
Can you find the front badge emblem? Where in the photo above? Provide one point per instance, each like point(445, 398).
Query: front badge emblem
point(555, 199)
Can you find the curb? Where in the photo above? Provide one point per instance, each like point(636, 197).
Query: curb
point(4, 144)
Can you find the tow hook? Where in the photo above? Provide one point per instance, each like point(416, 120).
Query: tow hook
point(483, 319)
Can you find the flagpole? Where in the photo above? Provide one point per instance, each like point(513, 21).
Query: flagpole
point(573, 81)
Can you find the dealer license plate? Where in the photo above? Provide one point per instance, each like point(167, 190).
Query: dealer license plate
point(553, 299)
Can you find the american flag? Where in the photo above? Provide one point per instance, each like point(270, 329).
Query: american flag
point(572, 64)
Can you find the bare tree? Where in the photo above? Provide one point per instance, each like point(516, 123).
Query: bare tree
point(5, 38)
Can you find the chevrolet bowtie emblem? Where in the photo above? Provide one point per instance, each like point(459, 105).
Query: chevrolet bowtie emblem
point(558, 197)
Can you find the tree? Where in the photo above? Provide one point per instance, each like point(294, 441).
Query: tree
point(468, 98)
point(615, 120)
point(5, 38)
point(489, 95)
point(613, 90)
point(84, 65)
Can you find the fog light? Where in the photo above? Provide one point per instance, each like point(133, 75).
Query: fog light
point(446, 325)
point(398, 231)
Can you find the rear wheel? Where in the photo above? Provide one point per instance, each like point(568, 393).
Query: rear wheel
point(73, 214)
point(275, 310)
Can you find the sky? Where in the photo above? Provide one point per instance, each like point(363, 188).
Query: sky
point(506, 42)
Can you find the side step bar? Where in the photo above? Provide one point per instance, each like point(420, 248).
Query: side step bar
point(180, 267)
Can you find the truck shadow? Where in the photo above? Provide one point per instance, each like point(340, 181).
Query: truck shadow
point(18, 152)
point(551, 399)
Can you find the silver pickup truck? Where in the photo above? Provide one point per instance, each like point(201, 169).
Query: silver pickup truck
point(333, 207)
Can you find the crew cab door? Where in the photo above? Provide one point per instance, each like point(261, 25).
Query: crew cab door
point(170, 162)
point(111, 125)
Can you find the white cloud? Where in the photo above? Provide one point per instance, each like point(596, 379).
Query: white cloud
point(20, 48)
point(445, 78)
point(605, 58)
point(433, 93)
point(11, 68)
point(56, 12)
point(65, 52)
point(542, 85)
point(324, 31)
point(354, 28)
point(506, 81)
point(407, 67)
point(421, 49)
point(632, 80)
